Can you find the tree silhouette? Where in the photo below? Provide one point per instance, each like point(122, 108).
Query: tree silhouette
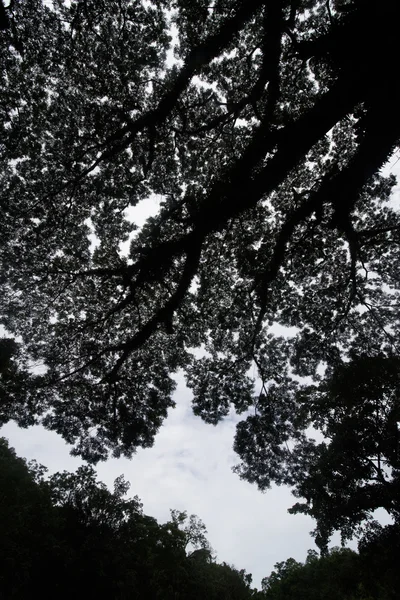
point(263, 137)
point(354, 469)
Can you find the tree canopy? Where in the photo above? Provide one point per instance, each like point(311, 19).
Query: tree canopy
point(262, 126)
point(355, 468)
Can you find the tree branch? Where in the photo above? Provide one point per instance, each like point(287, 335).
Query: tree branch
point(165, 313)
point(197, 58)
point(341, 191)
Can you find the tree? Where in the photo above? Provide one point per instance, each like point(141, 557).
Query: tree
point(27, 525)
point(335, 576)
point(342, 574)
point(355, 468)
point(380, 554)
point(16, 393)
point(194, 532)
point(264, 138)
point(111, 549)
point(218, 581)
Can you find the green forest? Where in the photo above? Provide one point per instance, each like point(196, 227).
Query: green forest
point(267, 279)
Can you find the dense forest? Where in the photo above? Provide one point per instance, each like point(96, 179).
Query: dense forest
point(268, 278)
point(67, 536)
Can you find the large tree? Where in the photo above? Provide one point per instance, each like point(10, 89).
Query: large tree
point(355, 468)
point(336, 576)
point(370, 574)
point(262, 125)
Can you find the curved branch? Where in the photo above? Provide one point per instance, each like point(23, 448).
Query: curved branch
point(342, 192)
point(238, 190)
point(165, 313)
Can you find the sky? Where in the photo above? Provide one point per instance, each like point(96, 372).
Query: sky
point(190, 468)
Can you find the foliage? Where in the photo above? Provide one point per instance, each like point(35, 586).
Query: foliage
point(68, 534)
point(263, 138)
point(261, 126)
point(27, 526)
point(355, 469)
point(335, 576)
point(16, 399)
point(342, 574)
point(380, 555)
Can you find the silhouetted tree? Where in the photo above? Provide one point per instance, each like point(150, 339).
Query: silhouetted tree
point(380, 556)
point(355, 469)
point(264, 140)
point(340, 575)
point(27, 527)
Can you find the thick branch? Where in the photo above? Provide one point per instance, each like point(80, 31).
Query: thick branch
point(237, 190)
point(272, 47)
point(374, 231)
point(341, 191)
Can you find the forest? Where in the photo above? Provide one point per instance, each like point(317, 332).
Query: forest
point(268, 278)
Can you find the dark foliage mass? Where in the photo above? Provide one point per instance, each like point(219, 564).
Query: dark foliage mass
point(371, 574)
point(355, 469)
point(262, 127)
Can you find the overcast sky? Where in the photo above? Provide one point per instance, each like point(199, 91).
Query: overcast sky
point(189, 468)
